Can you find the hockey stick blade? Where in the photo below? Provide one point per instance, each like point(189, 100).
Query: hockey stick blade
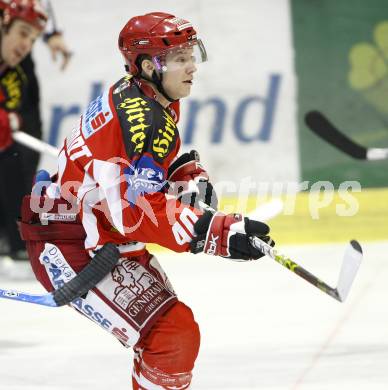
point(322, 127)
point(101, 264)
point(350, 265)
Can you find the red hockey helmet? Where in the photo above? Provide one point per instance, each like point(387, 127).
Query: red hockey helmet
point(156, 34)
point(4, 4)
point(30, 11)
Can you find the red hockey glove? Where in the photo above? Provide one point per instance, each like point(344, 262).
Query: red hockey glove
point(190, 182)
point(228, 236)
point(8, 122)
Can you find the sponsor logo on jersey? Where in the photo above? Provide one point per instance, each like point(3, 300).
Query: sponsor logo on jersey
point(135, 109)
point(12, 83)
point(96, 116)
point(120, 334)
point(58, 217)
point(144, 177)
point(138, 293)
point(90, 312)
point(60, 272)
point(57, 268)
point(165, 137)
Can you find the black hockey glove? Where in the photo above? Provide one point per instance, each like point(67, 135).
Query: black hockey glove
point(228, 236)
point(189, 181)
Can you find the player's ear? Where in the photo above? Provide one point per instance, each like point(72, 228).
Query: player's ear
point(147, 67)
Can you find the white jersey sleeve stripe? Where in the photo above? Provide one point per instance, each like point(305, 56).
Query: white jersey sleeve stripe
point(108, 177)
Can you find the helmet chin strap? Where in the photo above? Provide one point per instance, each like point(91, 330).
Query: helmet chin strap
point(157, 81)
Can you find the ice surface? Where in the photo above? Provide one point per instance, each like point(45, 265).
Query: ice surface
point(262, 328)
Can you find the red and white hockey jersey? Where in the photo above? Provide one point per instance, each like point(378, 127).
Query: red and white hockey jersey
point(114, 166)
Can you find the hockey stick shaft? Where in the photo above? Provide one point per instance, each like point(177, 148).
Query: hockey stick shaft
point(346, 277)
point(101, 264)
point(39, 299)
point(35, 143)
point(286, 262)
point(322, 127)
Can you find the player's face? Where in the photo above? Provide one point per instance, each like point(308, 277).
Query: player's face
point(17, 42)
point(178, 78)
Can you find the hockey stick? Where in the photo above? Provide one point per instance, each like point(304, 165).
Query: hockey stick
point(101, 264)
point(322, 127)
point(35, 143)
point(350, 264)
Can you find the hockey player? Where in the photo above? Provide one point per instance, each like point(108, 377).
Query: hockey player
point(22, 163)
point(21, 23)
point(120, 180)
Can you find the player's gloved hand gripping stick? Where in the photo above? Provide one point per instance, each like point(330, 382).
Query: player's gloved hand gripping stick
point(229, 235)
